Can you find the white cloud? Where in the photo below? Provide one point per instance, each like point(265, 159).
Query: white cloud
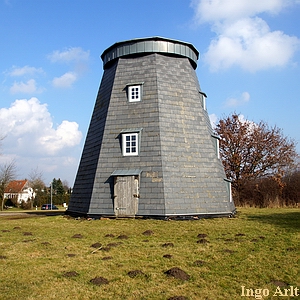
point(71, 54)
point(234, 102)
point(75, 55)
point(29, 130)
point(26, 70)
point(28, 87)
point(213, 120)
point(66, 135)
point(224, 10)
point(251, 125)
point(243, 39)
point(65, 81)
point(32, 141)
point(250, 44)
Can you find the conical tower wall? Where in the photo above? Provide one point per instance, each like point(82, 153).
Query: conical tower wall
point(177, 167)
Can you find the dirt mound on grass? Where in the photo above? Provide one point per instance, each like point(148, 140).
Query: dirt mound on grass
point(45, 243)
point(99, 281)
point(165, 245)
point(229, 240)
point(27, 233)
point(106, 258)
point(199, 263)
point(177, 273)
point(70, 274)
point(96, 245)
point(228, 251)
point(201, 235)
point(291, 249)
point(202, 241)
point(77, 236)
point(106, 249)
point(148, 232)
point(178, 298)
point(71, 254)
point(135, 273)
point(240, 234)
point(279, 283)
point(122, 237)
point(109, 235)
point(111, 245)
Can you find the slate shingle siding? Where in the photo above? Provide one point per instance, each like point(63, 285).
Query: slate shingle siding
point(181, 174)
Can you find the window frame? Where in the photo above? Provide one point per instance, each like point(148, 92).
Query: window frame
point(229, 189)
point(204, 96)
point(130, 87)
point(217, 144)
point(127, 144)
point(136, 132)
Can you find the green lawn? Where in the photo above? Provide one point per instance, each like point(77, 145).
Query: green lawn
point(53, 258)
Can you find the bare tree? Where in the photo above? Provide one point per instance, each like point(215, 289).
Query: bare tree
point(38, 185)
point(1, 139)
point(253, 151)
point(36, 178)
point(66, 185)
point(7, 173)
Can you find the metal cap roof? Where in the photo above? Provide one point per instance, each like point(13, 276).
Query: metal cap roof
point(150, 45)
point(126, 172)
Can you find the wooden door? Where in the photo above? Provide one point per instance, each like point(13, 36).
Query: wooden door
point(126, 194)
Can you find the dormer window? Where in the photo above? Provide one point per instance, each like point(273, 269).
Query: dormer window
point(134, 92)
point(203, 96)
point(228, 187)
point(216, 140)
point(130, 144)
point(131, 141)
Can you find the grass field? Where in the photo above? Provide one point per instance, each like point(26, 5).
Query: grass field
point(57, 257)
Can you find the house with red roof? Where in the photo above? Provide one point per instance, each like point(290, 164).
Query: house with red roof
point(18, 191)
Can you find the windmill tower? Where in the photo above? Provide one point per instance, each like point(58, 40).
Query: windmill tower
point(150, 150)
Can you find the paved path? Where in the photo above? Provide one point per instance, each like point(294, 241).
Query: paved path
point(31, 213)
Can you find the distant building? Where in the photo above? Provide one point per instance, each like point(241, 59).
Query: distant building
point(150, 150)
point(18, 191)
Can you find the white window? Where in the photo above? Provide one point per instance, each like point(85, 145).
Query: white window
point(203, 96)
point(204, 102)
point(130, 144)
point(217, 145)
point(134, 93)
point(229, 190)
point(218, 148)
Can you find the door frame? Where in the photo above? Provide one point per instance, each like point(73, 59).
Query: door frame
point(131, 200)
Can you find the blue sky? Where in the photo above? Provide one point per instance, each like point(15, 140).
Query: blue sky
point(50, 66)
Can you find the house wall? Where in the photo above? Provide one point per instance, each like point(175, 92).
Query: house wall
point(25, 195)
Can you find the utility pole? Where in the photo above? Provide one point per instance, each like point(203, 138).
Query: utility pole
point(51, 194)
